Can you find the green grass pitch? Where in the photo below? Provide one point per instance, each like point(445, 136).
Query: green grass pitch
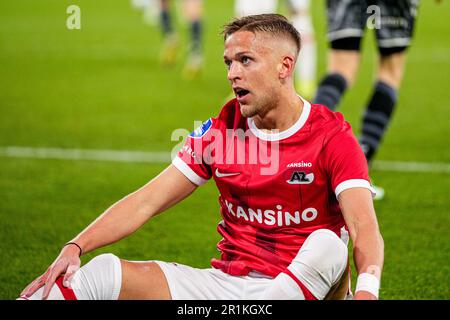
point(102, 87)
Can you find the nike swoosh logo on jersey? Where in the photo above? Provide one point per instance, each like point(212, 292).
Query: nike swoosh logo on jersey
point(222, 175)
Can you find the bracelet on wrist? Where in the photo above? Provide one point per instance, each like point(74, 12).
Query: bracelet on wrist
point(81, 250)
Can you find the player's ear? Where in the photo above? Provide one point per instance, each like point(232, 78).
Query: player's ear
point(286, 67)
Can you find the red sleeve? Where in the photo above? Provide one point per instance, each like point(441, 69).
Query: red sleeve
point(345, 162)
point(190, 160)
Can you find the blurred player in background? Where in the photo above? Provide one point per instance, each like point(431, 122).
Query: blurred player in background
point(299, 14)
point(393, 22)
point(193, 11)
point(286, 220)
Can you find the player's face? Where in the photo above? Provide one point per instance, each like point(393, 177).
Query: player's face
point(253, 71)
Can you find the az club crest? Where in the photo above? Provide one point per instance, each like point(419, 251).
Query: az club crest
point(300, 177)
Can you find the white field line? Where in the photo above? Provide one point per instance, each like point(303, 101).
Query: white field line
point(85, 154)
point(407, 166)
point(164, 157)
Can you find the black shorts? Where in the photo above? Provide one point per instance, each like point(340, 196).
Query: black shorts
point(392, 20)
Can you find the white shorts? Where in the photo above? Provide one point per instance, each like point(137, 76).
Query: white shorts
point(188, 283)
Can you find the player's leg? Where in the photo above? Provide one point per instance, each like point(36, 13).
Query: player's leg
point(343, 64)
point(318, 271)
point(143, 281)
point(194, 12)
point(380, 107)
point(393, 37)
point(106, 277)
point(166, 18)
point(341, 290)
point(346, 23)
point(305, 70)
point(170, 39)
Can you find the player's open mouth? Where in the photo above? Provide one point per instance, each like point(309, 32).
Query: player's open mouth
point(240, 92)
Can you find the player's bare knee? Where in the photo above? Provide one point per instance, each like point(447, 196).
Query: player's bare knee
point(345, 63)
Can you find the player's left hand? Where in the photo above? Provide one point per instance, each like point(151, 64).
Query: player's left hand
point(67, 263)
point(364, 295)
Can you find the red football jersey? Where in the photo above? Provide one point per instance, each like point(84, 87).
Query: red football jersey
point(275, 188)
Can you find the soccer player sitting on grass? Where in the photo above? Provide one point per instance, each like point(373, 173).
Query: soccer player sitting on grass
point(289, 198)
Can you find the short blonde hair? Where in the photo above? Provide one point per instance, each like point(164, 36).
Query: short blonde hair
point(275, 24)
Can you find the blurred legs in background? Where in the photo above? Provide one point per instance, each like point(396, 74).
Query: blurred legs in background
point(380, 107)
point(193, 10)
point(170, 45)
point(347, 21)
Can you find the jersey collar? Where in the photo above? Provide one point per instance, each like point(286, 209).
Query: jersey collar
point(283, 134)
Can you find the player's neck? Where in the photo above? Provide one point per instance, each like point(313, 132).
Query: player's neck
point(283, 115)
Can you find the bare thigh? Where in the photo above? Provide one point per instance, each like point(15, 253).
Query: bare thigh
point(344, 62)
point(143, 281)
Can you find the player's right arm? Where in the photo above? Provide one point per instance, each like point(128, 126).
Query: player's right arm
point(348, 171)
point(130, 213)
point(120, 220)
point(368, 245)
